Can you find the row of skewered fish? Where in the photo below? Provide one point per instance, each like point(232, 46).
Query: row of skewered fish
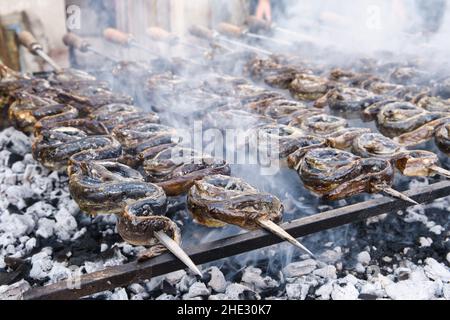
point(408, 114)
point(240, 112)
point(95, 140)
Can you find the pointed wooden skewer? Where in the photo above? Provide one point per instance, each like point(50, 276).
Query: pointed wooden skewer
point(396, 194)
point(441, 171)
point(175, 248)
point(277, 230)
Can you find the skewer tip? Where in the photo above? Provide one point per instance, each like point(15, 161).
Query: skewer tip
point(441, 171)
point(175, 248)
point(396, 194)
point(277, 230)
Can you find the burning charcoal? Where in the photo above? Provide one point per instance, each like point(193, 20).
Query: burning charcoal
point(119, 294)
point(217, 282)
point(324, 292)
point(168, 288)
point(344, 292)
point(198, 289)
point(186, 282)
point(175, 277)
point(14, 141)
point(416, 288)
point(436, 271)
point(297, 291)
point(223, 297)
point(166, 297)
point(20, 269)
point(327, 272)
point(298, 269)
point(241, 292)
point(253, 279)
point(41, 264)
point(15, 291)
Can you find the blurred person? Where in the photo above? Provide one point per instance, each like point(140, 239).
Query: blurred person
point(269, 10)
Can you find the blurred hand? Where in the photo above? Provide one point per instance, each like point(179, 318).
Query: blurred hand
point(264, 10)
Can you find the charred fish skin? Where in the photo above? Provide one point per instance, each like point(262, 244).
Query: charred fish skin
point(108, 187)
point(376, 174)
point(335, 174)
point(350, 99)
point(320, 125)
point(375, 145)
point(177, 169)
point(418, 163)
point(143, 141)
point(443, 138)
point(60, 148)
point(275, 141)
point(399, 118)
point(309, 88)
point(423, 134)
point(323, 170)
point(219, 200)
point(114, 115)
point(104, 187)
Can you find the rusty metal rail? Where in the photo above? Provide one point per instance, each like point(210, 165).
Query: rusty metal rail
point(134, 272)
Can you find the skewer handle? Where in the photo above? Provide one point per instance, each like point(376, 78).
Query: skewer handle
point(230, 30)
point(159, 34)
point(72, 40)
point(117, 36)
point(29, 42)
point(255, 24)
point(201, 32)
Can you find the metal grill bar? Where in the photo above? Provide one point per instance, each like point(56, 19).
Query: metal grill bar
point(134, 272)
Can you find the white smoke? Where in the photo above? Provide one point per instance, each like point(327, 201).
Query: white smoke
point(366, 25)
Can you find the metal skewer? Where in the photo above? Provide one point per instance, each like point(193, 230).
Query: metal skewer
point(29, 42)
point(211, 35)
point(256, 25)
point(126, 40)
point(280, 232)
point(161, 35)
point(76, 42)
point(237, 32)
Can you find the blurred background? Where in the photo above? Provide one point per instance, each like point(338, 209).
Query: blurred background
point(361, 25)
